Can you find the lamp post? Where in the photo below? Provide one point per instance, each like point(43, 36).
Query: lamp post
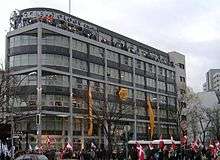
point(11, 115)
point(157, 100)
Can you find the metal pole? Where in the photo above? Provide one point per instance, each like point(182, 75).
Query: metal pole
point(69, 6)
point(158, 115)
point(126, 144)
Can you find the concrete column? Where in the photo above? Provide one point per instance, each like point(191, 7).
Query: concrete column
point(39, 83)
point(134, 101)
point(70, 133)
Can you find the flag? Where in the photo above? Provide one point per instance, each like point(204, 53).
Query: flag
point(68, 146)
point(90, 115)
point(140, 150)
point(173, 143)
point(151, 115)
point(161, 143)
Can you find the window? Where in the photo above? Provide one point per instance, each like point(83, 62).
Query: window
point(151, 82)
point(55, 80)
point(182, 79)
point(182, 66)
point(22, 40)
point(23, 60)
point(161, 86)
point(79, 46)
point(126, 76)
point(79, 64)
point(139, 80)
point(112, 89)
point(150, 68)
point(140, 95)
point(96, 51)
point(96, 69)
point(171, 101)
point(112, 56)
point(170, 74)
point(97, 86)
point(55, 60)
point(112, 73)
point(55, 40)
point(126, 60)
point(170, 87)
point(79, 83)
point(139, 64)
point(161, 71)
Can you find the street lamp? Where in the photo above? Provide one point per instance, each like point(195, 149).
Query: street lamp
point(157, 100)
point(12, 117)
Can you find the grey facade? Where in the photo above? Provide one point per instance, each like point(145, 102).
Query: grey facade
point(212, 80)
point(68, 54)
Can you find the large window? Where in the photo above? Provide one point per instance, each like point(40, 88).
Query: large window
point(79, 46)
point(112, 56)
point(55, 80)
point(171, 101)
point(112, 73)
point(126, 60)
point(55, 40)
point(79, 83)
point(170, 87)
point(23, 60)
point(79, 64)
point(170, 74)
point(139, 79)
point(96, 51)
point(126, 76)
point(140, 95)
point(151, 82)
point(55, 100)
point(96, 69)
point(97, 86)
point(161, 85)
point(112, 89)
point(55, 60)
point(139, 64)
point(161, 71)
point(22, 40)
point(150, 68)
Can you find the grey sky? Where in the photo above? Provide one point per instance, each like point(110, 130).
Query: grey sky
point(190, 27)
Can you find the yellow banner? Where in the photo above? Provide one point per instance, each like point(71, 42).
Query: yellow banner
point(151, 116)
point(90, 114)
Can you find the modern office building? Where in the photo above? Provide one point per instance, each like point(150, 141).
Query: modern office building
point(212, 80)
point(57, 56)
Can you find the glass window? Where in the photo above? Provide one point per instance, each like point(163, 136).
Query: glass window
point(139, 64)
point(161, 71)
point(97, 69)
point(55, 60)
point(112, 56)
point(79, 64)
point(170, 87)
point(140, 95)
point(139, 80)
point(171, 101)
point(150, 68)
point(126, 76)
point(55, 40)
point(22, 40)
point(112, 73)
point(126, 60)
point(161, 86)
point(96, 51)
point(112, 89)
point(79, 46)
point(151, 82)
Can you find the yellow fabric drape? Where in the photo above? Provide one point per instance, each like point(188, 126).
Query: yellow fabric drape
point(90, 114)
point(151, 116)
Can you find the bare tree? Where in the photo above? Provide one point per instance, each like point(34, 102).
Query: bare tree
point(108, 116)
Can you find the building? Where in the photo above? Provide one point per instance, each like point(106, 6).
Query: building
point(212, 80)
point(179, 62)
point(57, 56)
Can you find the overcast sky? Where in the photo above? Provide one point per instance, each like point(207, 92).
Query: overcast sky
point(191, 27)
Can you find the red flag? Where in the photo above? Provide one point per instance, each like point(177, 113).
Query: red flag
point(173, 143)
point(140, 151)
point(161, 144)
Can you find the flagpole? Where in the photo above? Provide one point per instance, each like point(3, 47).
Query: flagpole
point(69, 6)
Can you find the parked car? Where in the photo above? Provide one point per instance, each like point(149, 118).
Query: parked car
point(32, 157)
